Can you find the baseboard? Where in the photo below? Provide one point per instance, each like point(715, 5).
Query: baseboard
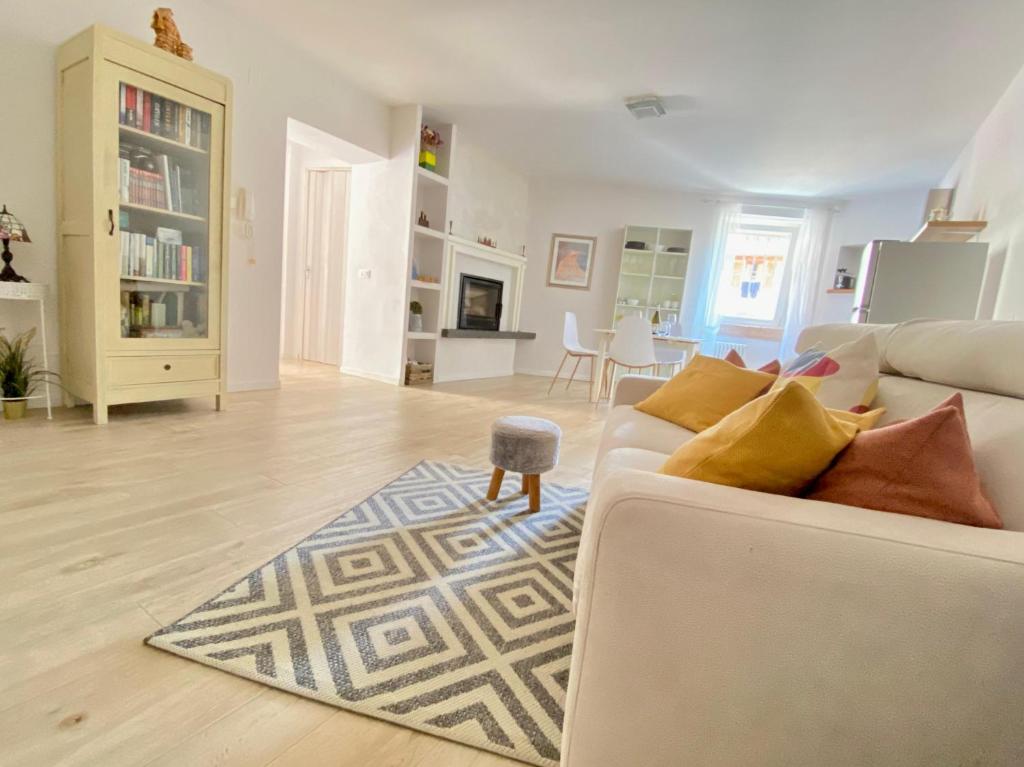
point(473, 377)
point(273, 383)
point(379, 377)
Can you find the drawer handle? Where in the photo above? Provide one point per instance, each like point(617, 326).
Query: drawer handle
point(167, 366)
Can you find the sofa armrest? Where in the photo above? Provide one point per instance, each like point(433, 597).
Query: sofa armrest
point(631, 389)
point(719, 626)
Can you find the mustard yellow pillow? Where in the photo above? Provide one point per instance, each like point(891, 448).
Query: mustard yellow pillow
point(779, 443)
point(863, 421)
point(704, 392)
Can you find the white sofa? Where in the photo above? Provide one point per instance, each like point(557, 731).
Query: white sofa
point(719, 626)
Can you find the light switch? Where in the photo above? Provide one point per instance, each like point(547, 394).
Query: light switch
point(364, 274)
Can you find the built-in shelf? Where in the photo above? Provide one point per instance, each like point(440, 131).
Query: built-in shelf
point(635, 274)
point(427, 231)
point(515, 335)
point(422, 336)
point(430, 176)
point(426, 285)
point(840, 290)
point(949, 231)
point(160, 281)
point(633, 250)
point(159, 140)
point(162, 212)
point(667, 277)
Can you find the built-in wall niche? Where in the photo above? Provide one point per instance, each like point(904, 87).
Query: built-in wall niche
point(431, 201)
point(420, 350)
point(428, 255)
point(429, 298)
point(444, 152)
point(849, 258)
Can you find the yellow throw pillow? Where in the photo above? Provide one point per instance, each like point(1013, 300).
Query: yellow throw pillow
point(779, 443)
point(863, 421)
point(704, 392)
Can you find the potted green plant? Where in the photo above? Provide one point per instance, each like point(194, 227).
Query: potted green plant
point(19, 375)
point(415, 317)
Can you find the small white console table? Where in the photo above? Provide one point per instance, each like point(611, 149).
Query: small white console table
point(32, 291)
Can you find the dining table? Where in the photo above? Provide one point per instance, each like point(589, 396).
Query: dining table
point(604, 339)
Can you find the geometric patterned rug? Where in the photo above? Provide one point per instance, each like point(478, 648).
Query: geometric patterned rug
point(424, 605)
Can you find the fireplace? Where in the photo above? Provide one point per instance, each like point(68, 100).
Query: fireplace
point(479, 303)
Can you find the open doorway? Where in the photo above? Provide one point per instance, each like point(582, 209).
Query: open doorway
point(318, 199)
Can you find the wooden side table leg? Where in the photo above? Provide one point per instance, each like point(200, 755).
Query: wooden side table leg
point(535, 492)
point(526, 483)
point(496, 477)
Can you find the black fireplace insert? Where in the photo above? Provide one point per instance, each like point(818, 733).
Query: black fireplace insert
point(479, 303)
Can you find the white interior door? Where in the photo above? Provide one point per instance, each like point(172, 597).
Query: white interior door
point(325, 235)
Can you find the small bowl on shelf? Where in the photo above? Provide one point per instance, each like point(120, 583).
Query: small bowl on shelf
point(633, 301)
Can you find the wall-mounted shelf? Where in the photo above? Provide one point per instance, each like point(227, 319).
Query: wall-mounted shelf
point(427, 232)
point(840, 290)
point(431, 177)
point(424, 336)
point(949, 231)
point(426, 285)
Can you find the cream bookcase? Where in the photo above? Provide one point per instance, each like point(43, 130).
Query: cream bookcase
point(144, 152)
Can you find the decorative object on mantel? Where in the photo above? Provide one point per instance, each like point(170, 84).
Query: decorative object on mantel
point(423, 220)
point(430, 142)
point(11, 229)
point(19, 376)
point(415, 317)
point(168, 38)
point(488, 241)
point(572, 261)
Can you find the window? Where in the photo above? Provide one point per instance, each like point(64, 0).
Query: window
point(752, 285)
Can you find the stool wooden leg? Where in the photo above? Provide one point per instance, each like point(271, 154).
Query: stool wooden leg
point(535, 492)
point(496, 477)
point(526, 483)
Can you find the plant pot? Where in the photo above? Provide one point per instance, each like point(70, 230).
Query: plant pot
point(15, 409)
point(428, 158)
point(415, 323)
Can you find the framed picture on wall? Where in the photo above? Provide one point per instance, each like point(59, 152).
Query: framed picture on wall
point(572, 261)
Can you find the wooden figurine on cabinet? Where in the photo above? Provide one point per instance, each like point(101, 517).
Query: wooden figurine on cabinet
point(168, 38)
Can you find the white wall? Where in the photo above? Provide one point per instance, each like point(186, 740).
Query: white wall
point(487, 197)
point(380, 221)
point(272, 82)
point(601, 210)
point(892, 215)
point(989, 179)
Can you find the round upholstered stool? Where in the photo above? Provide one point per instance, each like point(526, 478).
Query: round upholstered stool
point(527, 446)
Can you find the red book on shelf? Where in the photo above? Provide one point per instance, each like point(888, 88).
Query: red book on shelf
point(147, 111)
point(129, 100)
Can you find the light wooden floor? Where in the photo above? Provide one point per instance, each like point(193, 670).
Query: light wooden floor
point(107, 533)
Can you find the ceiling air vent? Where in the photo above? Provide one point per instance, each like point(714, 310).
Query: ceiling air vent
point(642, 107)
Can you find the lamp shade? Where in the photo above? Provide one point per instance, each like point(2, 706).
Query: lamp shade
point(11, 228)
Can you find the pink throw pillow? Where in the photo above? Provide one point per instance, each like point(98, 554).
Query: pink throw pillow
point(922, 467)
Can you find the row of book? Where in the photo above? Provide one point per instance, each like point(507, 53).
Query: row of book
point(163, 257)
point(170, 187)
point(160, 116)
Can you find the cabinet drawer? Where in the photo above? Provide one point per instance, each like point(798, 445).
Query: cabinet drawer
point(131, 371)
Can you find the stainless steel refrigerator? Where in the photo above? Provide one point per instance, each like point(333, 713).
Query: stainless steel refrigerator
point(901, 281)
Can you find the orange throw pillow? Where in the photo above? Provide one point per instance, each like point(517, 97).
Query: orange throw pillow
point(774, 367)
point(923, 467)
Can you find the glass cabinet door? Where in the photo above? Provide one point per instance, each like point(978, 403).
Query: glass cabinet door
point(168, 214)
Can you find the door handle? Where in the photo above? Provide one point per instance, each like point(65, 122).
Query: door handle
point(110, 215)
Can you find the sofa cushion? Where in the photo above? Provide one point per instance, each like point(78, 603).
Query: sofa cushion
point(844, 378)
point(776, 444)
point(628, 427)
point(922, 467)
point(706, 391)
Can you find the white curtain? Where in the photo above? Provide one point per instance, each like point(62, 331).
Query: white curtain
point(805, 276)
point(707, 312)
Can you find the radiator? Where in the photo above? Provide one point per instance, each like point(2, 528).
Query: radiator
point(724, 347)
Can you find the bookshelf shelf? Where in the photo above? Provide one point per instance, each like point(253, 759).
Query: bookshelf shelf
point(161, 211)
point(159, 141)
point(426, 285)
point(427, 232)
point(650, 274)
point(154, 130)
point(430, 177)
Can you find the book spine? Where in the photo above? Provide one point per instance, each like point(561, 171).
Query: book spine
point(124, 179)
point(158, 110)
point(147, 111)
point(188, 125)
point(122, 103)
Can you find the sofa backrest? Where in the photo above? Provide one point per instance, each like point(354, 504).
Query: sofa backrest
point(924, 361)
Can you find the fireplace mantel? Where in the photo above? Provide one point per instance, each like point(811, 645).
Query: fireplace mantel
point(513, 335)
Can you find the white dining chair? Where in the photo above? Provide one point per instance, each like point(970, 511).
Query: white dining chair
point(573, 348)
point(632, 347)
point(671, 357)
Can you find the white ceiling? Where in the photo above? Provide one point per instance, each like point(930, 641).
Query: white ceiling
point(795, 97)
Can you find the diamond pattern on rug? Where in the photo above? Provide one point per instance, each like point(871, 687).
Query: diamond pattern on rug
point(424, 605)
